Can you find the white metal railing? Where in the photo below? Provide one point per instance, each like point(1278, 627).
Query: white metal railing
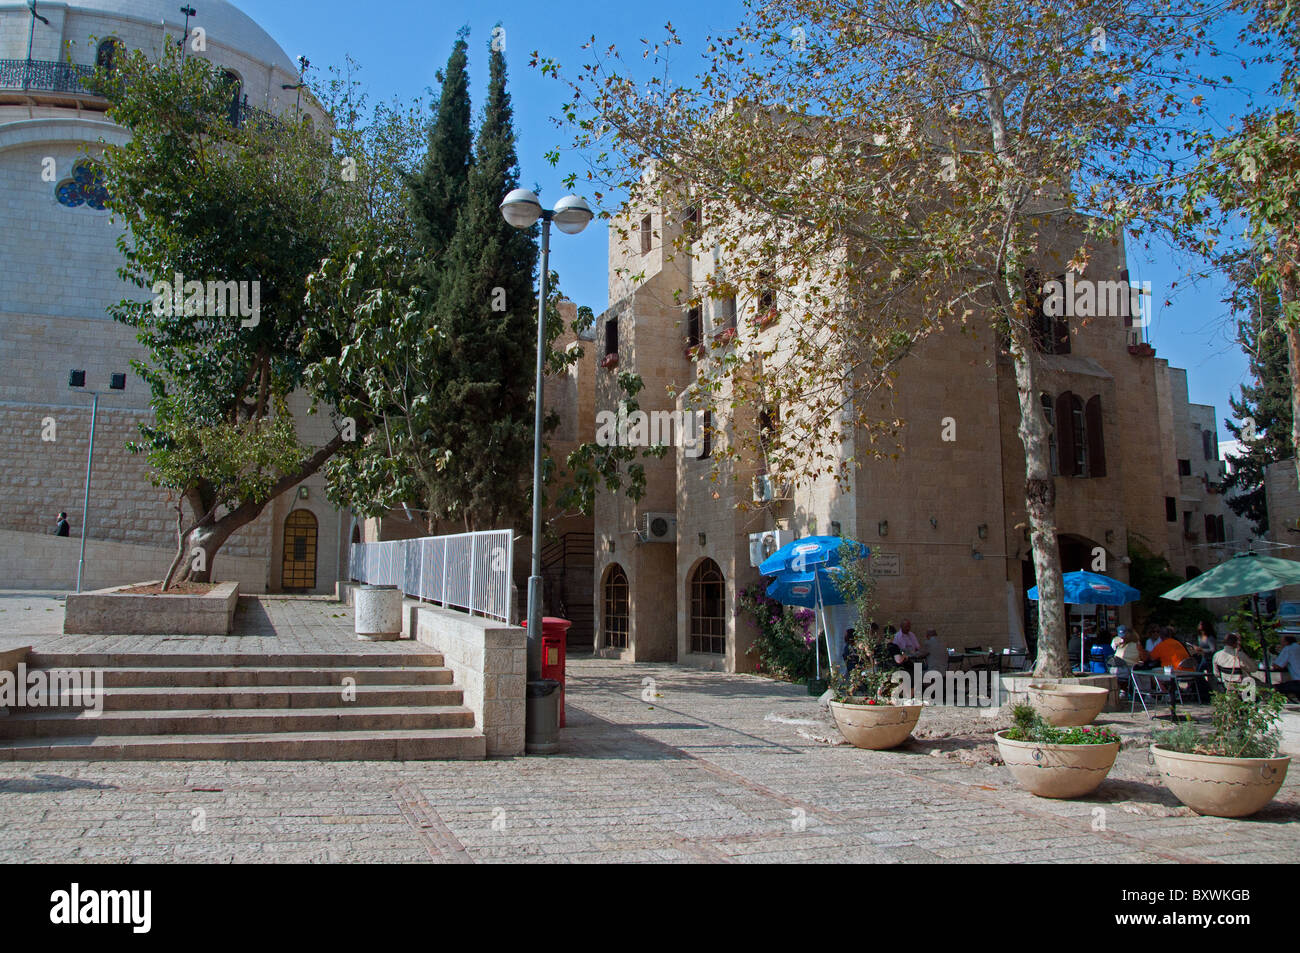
point(472, 571)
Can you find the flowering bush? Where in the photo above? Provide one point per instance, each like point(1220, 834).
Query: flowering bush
point(784, 646)
point(1028, 725)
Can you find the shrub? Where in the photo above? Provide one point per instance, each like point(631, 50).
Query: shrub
point(1244, 724)
point(1028, 725)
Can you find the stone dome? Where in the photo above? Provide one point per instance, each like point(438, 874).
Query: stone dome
point(224, 22)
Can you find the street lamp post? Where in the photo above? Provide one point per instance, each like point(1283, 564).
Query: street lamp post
point(571, 215)
point(31, 38)
point(189, 11)
point(77, 381)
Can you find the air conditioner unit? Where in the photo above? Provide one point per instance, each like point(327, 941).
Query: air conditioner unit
point(766, 490)
point(658, 528)
point(762, 545)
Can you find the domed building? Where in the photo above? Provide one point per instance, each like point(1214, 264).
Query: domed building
point(58, 246)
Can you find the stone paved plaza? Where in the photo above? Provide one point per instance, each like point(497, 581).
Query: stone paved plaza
point(659, 763)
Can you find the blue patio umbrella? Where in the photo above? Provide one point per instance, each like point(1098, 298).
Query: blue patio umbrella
point(808, 553)
point(1093, 589)
point(805, 572)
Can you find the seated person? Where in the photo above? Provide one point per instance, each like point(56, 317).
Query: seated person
point(851, 656)
point(1168, 651)
point(1288, 661)
point(1116, 642)
point(1231, 663)
point(936, 653)
point(908, 642)
point(1129, 652)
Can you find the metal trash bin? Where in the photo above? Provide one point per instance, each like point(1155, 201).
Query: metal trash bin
point(542, 717)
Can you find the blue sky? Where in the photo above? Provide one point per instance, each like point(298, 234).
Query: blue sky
point(401, 45)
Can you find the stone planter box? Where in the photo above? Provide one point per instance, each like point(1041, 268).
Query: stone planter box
point(114, 612)
point(1015, 688)
point(1057, 771)
point(876, 727)
point(1067, 706)
point(377, 612)
point(1290, 730)
point(1220, 787)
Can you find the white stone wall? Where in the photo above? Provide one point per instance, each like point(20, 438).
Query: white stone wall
point(43, 561)
point(490, 661)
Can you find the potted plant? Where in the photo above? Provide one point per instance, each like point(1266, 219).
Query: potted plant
point(867, 711)
point(1067, 706)
point(1048, 761)
point(1232, 770)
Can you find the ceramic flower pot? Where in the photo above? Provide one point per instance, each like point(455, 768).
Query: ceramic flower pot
point(876, 727)
point(1220, 787)
point(1058, 771)
point(1067, 706)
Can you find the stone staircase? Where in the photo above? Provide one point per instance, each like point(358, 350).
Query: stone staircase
point(250, 707)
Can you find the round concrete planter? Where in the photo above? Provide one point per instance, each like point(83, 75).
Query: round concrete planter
point(875, 727)
point(1059, 771)
point(1220, 787)
point(1067, 706)
point(378, 613)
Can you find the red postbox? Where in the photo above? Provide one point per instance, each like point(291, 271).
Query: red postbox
point(555, 636)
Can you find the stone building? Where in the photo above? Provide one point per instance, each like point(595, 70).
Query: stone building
point(945, 521)
point(60, 261)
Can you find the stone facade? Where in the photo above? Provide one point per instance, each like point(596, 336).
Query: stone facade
point(60, 276)
point(948, 514)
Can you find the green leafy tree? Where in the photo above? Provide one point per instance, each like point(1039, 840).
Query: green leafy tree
point(207, 200)
point(872, 172)
point(439, 190)
point(1263, 409)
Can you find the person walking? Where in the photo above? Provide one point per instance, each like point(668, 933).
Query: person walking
point(61, 528)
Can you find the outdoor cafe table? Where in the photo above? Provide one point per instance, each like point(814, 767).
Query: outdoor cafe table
point(1175, 689)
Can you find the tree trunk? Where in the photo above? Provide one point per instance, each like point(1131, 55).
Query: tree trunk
point(1040, 503)
point(1290, 294)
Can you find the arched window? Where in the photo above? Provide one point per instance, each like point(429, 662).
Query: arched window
point(86, 187)
point(617, 614)
point(108, 55)
point(708, 595)
point(235, 86)
point(1049, 412)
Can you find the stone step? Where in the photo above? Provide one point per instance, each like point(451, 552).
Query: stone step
point(141, 698)
point(359, 659)
point(199, 721)
point(238, 677)
point(410, 745)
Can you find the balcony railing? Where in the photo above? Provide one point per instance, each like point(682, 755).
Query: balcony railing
point(46, 76)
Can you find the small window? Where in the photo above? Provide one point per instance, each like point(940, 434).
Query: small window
point(1184, 467)
point(647, 227)
point(1223, 534)
point(1049, 412)
point(724, 313)
point(1050, 333)
point(611, 336)
point(1171, 509)
point(108, 55)
point(1187, 522)
point(234, 87)
point(707, 437)
point(1079, 420)
point(693, 330)
point(1211, 529)
point(1209, 445)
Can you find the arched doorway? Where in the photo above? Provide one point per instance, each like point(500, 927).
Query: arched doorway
point(298, 570)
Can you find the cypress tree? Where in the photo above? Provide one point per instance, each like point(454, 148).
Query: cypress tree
point(1263, 409)
point(487, 328)
point(438, 190)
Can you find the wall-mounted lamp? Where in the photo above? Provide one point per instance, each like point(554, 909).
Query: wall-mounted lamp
point(812, 526)
point(304, 493)
point(983, 531)
point(836, 528)
point(609, 543)
point(976, 554)
point(934, 523)
point(1110, 537)
point(704, 539)
point(883, 527)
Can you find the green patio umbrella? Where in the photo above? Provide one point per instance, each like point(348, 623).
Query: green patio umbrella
point(1246, 574)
